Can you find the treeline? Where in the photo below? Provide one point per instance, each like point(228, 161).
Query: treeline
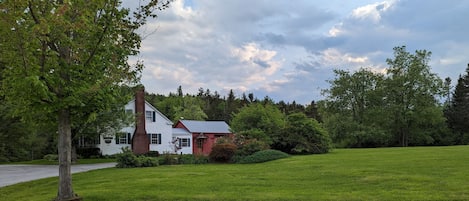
point(208, 105)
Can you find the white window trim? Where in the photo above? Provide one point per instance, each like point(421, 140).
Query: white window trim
point(154, 137)
point(149, 115)
point(185, 142)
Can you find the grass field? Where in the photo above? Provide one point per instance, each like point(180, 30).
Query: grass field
point(419, 173)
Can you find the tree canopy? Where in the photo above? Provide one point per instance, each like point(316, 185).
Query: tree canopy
point(412, 93)
point(67, 58)
point(302, 135)
point(367, 109)
point(294, 133)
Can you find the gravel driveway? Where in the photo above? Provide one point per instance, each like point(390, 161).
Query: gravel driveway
point(13, 174)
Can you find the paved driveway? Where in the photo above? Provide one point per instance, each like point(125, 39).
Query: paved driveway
point(13, 174)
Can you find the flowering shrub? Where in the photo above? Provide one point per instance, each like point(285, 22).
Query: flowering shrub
point(222, 152)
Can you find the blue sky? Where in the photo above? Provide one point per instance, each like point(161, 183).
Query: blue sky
point(288, 49)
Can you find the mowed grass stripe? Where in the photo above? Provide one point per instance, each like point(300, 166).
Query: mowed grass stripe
point(415, 173)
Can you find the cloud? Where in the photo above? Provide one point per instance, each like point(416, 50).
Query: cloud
point(287, 50)
point(436, 26)
point(372, 11)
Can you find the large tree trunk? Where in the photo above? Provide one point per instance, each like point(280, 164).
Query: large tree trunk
point(64, 148)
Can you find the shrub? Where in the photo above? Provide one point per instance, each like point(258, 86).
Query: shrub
point(264, 156)
point(127, 159)
point(251, 146)
point(173, 159)
point(152, 154)
point(186, 159)
point(247, 148)
point(201, 159)
point(51, 157)
point(224, 140)
point(222, 152)
point(145, 161)
point(302, 135)
point(192, 159)
point(168, 159)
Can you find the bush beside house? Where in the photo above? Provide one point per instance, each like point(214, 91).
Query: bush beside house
point(127, 159)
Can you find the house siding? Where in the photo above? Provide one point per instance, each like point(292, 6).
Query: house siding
point(207, 144)
point(184, 150)
point(158, 124)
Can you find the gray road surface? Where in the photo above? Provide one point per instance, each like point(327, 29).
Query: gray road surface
point(13, 174)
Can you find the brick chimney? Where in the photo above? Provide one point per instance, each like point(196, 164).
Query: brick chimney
point(140, 141)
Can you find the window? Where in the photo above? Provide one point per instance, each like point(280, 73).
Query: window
point(129, 111)
point(200, 143)
point(88, 141)
point(155, 138)
point(123, 138)
point(150, 116)
point(184, 142)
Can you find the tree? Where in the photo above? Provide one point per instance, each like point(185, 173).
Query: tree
point(412, 91)
point(457, 113)
point(64, 56)
point(213, 105)
point(180, 94)
point(365, 109)
point(232, 105)
point(190, 109)
point(303, 135)
point(351, 112)
point(311, 111)
point(89, 124)
point(262, 122)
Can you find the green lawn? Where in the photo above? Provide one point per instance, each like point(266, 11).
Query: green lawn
point(420, 173)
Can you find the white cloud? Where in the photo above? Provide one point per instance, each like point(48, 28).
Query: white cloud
point(335, 30)
point(287, 50)
point(252, 55)
point(258, 64)
point(372, 11)
point(333, 56)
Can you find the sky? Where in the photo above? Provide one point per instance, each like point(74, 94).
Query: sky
point(287, 50)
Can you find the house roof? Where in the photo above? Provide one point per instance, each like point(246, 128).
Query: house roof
point(180, 131)
point(195, 126)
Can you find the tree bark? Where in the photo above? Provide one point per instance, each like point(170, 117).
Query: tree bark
point(64, 149)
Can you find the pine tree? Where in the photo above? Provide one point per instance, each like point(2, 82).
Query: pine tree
point(457, 113)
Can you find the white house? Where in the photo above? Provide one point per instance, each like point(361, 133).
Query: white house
point(162, 137)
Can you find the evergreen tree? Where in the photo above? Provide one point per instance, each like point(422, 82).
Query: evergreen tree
point(457, 113)
point(311, 111)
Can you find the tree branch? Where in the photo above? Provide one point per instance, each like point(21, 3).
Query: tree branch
point(30, 6)
point(101, 37)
